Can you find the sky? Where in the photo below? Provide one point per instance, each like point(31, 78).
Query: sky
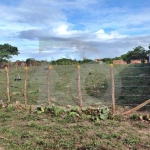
point(74, 29)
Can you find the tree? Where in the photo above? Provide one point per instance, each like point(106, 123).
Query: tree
point(85, 60)
point(6, 52)
point(117, 58)
point(137, 53)
point(30, 61)
point(107, 60)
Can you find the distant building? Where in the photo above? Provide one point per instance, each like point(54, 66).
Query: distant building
point(20, 63)
point(97, 60)
point(119, 62)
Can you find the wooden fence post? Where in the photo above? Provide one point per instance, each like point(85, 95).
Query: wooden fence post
point(79, 88)
point(25, 86)
point(112, 88)
point(48, 85)
point(7, 84)
point(137, 107)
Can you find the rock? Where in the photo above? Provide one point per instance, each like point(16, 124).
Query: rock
point(2, 103)
point(69, 106)
point(140, 117)
point(146, 117)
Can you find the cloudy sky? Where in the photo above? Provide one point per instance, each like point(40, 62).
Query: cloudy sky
point(52, 29)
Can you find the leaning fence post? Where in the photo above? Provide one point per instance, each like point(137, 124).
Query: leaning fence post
point(25, 86)
point(137, 107)
point(112, 88)
point(48, 85)
point(7, 84)
point(79, 88)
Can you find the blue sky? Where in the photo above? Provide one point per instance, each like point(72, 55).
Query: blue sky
point(52, 29)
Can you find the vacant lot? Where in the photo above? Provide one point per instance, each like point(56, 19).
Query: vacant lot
point(29, 131)
point(20, 129)
point(131, 84)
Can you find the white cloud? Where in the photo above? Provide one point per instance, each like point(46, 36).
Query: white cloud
point(75, 21)
point(64, 30)
point(100, 34)
point(63, 56)
point(61, 30)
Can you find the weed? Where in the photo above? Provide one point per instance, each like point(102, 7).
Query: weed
point(40, 141)
point(141, 125)
point(27, 134)
point(118, 118)
point(29, 117)
point(32, 124)
point(108, 135)
point(134, 117)
point(132, 140)
point(10, 108)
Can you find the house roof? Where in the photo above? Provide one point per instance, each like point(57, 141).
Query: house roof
point(97, 59)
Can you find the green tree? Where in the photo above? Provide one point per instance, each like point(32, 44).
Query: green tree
point(137, 53)
point(117, 58)
point(107, 60)
point(6, 52)
point(30, 61)
point(85, 60)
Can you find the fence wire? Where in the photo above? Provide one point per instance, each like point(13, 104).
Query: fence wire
point(131, 84)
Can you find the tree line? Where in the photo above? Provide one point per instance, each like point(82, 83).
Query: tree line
point(138, 53)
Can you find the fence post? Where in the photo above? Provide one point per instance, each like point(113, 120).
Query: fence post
point(7, 84)
point(112, 88)
point(25, 86)
point(79, 88)
point(48, 85)
point(137, 107)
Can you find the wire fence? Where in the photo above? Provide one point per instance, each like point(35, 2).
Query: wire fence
point(131, 84)
point(135, 84)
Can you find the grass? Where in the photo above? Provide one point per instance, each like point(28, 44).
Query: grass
point(28, 131)
point(21, 130)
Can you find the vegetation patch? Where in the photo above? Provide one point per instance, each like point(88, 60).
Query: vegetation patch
point(74, 128)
